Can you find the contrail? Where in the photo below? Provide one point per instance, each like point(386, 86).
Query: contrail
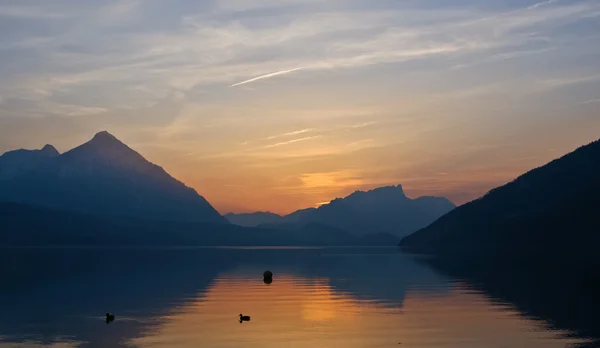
point(543, 3)
point(290, 133)
point(265, 76)
point(292, 141)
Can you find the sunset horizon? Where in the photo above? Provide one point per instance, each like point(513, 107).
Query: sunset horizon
point(300, 173)
point(329, 187)
point(285, 105)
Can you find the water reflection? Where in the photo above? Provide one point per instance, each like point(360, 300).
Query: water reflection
point(191, 297)
point(558, 296)
point(49, 295)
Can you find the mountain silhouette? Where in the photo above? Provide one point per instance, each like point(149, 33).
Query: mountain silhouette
point(29, 225)
point(17, 162)
point(381, 210)
point(549, 212)
point(253, 219)
point(384, 209)
point(102, 176)
point(299, 215)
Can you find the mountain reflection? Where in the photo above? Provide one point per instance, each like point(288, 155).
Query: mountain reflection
point(190, 297)
point(560, 295)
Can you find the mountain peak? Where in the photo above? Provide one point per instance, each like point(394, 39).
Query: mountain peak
point(387, 191)
point(382, 209)
point(105, 147)
point(50, 150)
point(103, 176)
point(104, 136)
point(106, 143)
point(397, 189)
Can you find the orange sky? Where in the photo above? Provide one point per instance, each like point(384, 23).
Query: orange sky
point(300, 176)
point(285, 105)
point(306, 175)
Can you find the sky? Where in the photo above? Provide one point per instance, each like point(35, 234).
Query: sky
point(281, 105)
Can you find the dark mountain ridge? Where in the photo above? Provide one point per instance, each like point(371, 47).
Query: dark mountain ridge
point(105, 177)
point(551, 211)
point(17, 162)
point(28, 225)
point(253, 219)
point(103, 193)
point(382, 210)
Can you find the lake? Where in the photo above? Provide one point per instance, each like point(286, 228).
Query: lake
point(319, 297)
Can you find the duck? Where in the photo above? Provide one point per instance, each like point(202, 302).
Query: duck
point(109, 317)
point(244, 317)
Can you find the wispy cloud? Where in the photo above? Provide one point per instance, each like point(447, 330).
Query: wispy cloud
point(233, 48)
point(266, 76)
point(592, 101)
point(292, 141)
point(566, 81)
point(365, 124)
point(75, 110)
point(543, 3)
point(301, 131)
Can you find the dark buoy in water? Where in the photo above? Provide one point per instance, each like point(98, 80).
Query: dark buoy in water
point(109, 317)
point(244, 318)
point(268, 277)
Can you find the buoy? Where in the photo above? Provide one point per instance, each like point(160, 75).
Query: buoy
point(268, 277)
point(109, 317)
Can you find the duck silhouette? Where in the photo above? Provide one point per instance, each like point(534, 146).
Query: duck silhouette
point(244, 318)
point(109, 317)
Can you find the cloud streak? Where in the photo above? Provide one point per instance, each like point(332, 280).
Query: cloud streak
point(554, 83)
point(291, 141)
point(543, 3)
point(301, 131)
point(266, 76)
point(591, 101)
point(363, 125)
point(140, 66)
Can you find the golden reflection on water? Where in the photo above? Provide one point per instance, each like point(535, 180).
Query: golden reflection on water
point(295, 311)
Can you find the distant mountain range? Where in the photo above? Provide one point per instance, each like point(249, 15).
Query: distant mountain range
point(548, 213)
point(384, 209)
point(27, 225)
point(254, 219)
point(104, 193)
point(102, 177)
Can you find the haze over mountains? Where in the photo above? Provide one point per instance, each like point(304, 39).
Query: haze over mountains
point(102, 176)
point(385, 209)
point(254, 219)
point(104, 193)
point(551, 212)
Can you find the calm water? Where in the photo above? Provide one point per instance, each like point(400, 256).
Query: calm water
point(335, 297)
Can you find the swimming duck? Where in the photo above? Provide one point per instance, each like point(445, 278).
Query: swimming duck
point(109, 317)
point(244, 317)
